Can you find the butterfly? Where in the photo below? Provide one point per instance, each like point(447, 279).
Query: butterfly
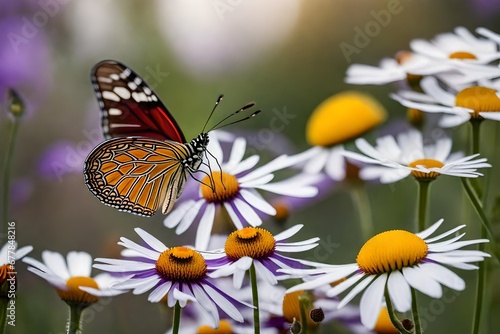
point(143, 165)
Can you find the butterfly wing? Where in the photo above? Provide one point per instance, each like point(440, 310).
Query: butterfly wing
point(129, 106)
point(137, 174)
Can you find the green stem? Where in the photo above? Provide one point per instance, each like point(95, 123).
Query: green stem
point(6, 173)
point(255, 298)
point(360, 199)
point(4, 303)
point(423, 194)
point(303, 316)
point(481, 275)
point(392, 315)
point(414, 310)
point(479, 209)
point(475, 135)
point(177, 318)
point(75, 315)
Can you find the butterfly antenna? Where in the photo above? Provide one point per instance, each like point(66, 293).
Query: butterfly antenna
point(239, 120)
point(245, 107)
point(212, 112)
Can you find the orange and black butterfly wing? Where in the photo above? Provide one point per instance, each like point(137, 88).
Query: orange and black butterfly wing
point(137, 174)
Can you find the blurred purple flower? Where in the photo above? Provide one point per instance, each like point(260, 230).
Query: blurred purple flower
point(62, 158)
point(485, 8)
point(24, 59)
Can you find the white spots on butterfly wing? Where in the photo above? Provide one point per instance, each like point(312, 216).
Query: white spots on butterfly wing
point(114, 76)
point(125, 73)
point(122, 92)
point(105, 128)
point(132, 85)
point(114, 112)
point(137, 81)
point(139, 97)
point(117, 125)
point(110, 96)
point(147, 90)
point(101, 104)
point(104, 79)
point(154, 98)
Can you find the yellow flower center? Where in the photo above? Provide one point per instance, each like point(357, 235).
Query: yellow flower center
point(224, 328)
point(384, 324)
point(219, 187)
point(462, 55)
point(181, 264)
point(74, 295)
point(391, 250)
point(343, 117)
point(282, 211)
point(415, 117)
point(254, 242)
point(479, 99)
point(428, 163)
point(5, 273)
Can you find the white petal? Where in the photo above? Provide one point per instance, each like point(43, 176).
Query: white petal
point(288, 232)
point(223, 303)
point(344, 285)
point(444, 276)
point(430, 86)
point(371, 300)
point(418, 279)
point(189, 217)
point(175, 216)
point(138, 249)
point(492, 115)
point(247, 212)
point(245, 165)
point(254, 199)
point(150, 240)
point(55, 262)
point(431, 229)
point(367, 279)
point(79, 264)
point(205, 227)
point(399, 290)
point(237, 153)
point(232, 214)
point(264, 273)
point(206, 303)
point(159, 292)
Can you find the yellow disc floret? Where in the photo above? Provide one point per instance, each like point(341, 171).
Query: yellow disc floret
point(391, 250)
point(181, 264)
point(254, 242)
point(343, 117)
point(72, 294)
point(428, 163)
point(479, 99)
point(219, 187)
point(224, 328)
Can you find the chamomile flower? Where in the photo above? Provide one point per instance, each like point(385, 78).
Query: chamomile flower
point(71, 277)
point(235, 188)
point(470, 103)
point(9, 254)
point(180, 273)
point(396, 159)
point(338, 119)
point(401, 261)
point(257, 246)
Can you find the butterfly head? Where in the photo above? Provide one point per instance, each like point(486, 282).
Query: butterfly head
point(198, 147)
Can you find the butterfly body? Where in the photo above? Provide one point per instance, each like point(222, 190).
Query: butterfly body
point(145, 160)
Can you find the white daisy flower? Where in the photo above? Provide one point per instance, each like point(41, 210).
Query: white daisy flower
point(258, 246)
point(179, 273)
point(396, 159)
point(9, 254)
point(390, 70)
point(471, 103)
point(71, 277)
point(339, 119)
point(400, 260)
point(236, 189)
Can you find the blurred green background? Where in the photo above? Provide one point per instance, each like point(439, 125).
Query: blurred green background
point(281, 54)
